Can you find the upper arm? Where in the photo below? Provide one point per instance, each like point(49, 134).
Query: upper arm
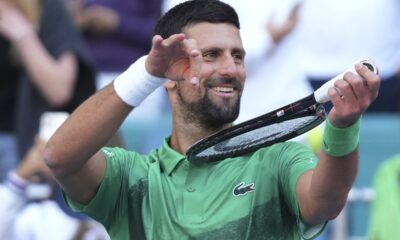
point(296, 171)
point(302, 192)
point(82, 186)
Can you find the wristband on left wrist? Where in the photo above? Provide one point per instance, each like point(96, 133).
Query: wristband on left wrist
point(338, 142)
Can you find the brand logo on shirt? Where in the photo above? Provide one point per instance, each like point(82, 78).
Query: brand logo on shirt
point(242, 189)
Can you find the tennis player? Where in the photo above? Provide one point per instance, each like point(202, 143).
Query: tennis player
point(278, 192)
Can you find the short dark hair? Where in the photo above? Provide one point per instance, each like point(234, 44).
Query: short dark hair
point(195, 11)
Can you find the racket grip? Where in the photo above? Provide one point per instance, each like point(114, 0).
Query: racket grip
point(321, 94)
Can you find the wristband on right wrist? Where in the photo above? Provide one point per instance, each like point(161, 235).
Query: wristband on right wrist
point(135, 84)
point(338, 142)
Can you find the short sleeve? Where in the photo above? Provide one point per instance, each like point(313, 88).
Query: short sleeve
point(295, 160)
point(123, 170)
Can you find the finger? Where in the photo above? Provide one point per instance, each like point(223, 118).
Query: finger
point(173, 39)
point(195, 66)
point(359, 88)
point(346, 90)
point(335, 97)
point(156, 42)
point(356, 84)
point(195, 58)
point(344, 110)
point(371, 79)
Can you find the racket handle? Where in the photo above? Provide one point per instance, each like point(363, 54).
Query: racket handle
point(321, 94)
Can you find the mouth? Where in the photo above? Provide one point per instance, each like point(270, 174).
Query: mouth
point(224, 91)
point(224, 87)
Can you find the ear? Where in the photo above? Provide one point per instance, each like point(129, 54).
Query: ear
point(169, 84)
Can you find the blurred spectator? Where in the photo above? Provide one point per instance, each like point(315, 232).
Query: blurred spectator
point(49, 58)
point(28, 210)
point(274, 75)
point(385, 210)
point(336, 34)
point(118, 32)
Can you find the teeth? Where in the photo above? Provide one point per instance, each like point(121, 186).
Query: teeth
point(224, 89)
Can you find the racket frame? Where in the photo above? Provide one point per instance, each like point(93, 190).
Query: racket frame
point(302, 108)
point(311, 105)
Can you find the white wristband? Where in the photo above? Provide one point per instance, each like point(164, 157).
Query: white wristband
point(135, 84)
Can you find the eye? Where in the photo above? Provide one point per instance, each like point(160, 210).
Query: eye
point(210, 55)
point(239, 57)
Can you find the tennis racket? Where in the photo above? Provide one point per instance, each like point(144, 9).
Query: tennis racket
point(279, 125)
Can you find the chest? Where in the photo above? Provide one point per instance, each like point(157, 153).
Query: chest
point(194, 194)
point(237, 199)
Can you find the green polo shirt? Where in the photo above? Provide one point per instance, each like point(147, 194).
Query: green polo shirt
point(163, 196)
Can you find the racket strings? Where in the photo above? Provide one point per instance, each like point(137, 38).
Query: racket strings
point(257, 137)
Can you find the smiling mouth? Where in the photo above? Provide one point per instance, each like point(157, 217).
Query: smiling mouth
point(224, 89)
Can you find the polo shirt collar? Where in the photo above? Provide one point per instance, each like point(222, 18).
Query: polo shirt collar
point(169, 158)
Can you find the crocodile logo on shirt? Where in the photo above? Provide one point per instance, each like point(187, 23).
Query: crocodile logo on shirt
point(242, 189)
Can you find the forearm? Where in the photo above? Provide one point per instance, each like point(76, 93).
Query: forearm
point(331, 182)
point(88, 129)
point(53, 77)
point(332, 179)
point(72, 153)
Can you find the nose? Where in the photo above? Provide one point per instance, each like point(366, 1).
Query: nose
point(228, 66)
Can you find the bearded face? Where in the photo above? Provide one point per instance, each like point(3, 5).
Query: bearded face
point(215, 102)
point(211, 110)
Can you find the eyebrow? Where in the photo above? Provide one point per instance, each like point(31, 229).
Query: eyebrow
point(234, 50)
point(239, 50)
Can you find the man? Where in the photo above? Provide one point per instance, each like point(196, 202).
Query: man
point(279, 192)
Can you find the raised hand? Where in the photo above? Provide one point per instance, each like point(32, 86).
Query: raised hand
point(279, 31)
point(353, 95)
point(176, 58)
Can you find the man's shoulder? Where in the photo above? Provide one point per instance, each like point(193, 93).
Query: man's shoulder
point(127, 158)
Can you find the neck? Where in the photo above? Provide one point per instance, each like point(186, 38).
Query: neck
point(185, 134)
